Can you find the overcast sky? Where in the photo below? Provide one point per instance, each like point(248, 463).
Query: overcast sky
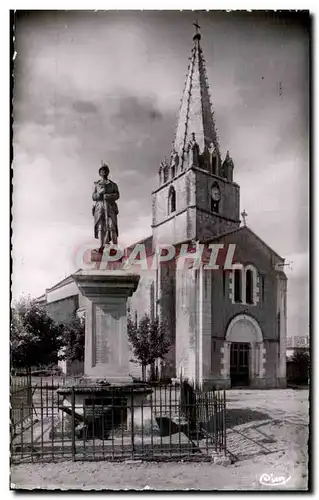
point(107, 85)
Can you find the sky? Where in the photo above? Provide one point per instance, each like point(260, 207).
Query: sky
point(92, 86)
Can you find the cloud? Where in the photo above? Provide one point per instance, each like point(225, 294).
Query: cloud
point(134, 109)
point(298, 293)
point(84, 107)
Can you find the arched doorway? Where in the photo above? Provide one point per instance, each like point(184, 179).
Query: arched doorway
point(243, 351)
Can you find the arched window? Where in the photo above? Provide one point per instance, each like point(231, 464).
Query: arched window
point(171, 200)
point(214, 165)
point(245, 285)
point(215, 198)
point(249, 287)
point(165, 174)
point(237, 285)
point(160, 175)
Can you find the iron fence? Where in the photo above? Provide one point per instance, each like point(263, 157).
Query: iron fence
point(20, 402)
point(104, 422)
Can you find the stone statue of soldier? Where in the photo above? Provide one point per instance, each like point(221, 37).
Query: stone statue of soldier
point(105, 208)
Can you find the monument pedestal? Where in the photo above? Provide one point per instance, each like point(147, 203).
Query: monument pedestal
point(106, 386)
point(106, 344)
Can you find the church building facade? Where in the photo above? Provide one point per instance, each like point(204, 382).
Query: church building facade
point(227, 326)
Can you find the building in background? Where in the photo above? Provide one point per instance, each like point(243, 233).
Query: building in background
point(297, 343)
point(63, 302)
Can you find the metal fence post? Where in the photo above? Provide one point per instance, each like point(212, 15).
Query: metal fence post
point(215, 419)
point(206, 401)
point(41, 406)
point(224, 423)
point(132, 423)
point(21, 441)
point(73, 423)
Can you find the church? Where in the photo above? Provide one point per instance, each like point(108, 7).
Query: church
point(227, 325)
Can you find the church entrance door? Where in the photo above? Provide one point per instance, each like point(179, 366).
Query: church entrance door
point(239, 363)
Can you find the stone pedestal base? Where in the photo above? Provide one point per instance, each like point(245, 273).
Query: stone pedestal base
point(101, 410)
point(106, 344)
point(140, 416)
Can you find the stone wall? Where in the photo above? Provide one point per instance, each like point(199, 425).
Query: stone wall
point(63, 310)
point(168, 313)
point(140, 302)
point(174, 228)
point(229, 200)
point(193, 218)
point(186, 323)
point(271, 359)
point(209, 225)
point(66, 290)
point(160, 197)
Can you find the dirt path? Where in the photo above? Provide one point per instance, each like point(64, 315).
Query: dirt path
point(161, 476)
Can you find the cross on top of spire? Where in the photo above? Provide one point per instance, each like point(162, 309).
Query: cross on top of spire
point(197, 34)
point(244, 215)
point(196, 26)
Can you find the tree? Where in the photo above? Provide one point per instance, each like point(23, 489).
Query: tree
point(73, 334)
point(301, 361)
point(35, 338)
point(149, 341)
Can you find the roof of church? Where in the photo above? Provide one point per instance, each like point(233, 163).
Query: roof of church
point(150, 251)
point(246, 228)
point(65, 281)
point(196, 112)
point(148, 240)
point(42, 298)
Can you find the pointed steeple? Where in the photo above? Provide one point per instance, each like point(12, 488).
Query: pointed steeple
point(196, 120)
point(197, 198)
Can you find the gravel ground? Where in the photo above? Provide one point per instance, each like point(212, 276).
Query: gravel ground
point(160, 476)
point(288, 410)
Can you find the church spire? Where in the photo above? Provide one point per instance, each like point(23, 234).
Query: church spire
point(196, 139)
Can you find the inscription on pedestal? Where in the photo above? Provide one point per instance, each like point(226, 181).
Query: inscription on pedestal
point(106, 334)
point(102, 354)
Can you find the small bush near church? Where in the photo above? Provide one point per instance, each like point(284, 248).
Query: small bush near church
point(149, 342)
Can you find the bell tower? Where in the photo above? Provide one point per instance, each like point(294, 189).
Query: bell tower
point(197, 198)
